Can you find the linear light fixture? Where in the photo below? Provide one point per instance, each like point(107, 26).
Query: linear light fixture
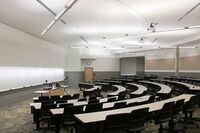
point(189, 47)
point(84, 39)
point(157, 31)
point(133, 53)
point(51, 11)
point(78, 47)
point(189, 12)
point(69, 4)
point(132, 46)
point(114, 48)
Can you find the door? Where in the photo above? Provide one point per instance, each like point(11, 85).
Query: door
point(88, 74)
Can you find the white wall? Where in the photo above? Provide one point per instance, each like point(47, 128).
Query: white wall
point(24, 50)
point(128, 66)
point(17, 77)
point(26, 60)
point(73, 60)
point(102, 64)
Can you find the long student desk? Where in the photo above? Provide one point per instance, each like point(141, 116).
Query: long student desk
point(164, 88)
point(111, 82)
point(91, 90)
point(85, 85)
point(119, 89)
point(184, 79)
point(189, 86)
point(101, 116)
point(102, 100)
point(141, 89)
point(58, 112)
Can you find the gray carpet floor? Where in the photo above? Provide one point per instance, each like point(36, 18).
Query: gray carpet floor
point(15, 115)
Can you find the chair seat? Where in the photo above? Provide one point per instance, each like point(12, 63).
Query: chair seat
point(45, 117)
point(163, 120)
point(131, 130)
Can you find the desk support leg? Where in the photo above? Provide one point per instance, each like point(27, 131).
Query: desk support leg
point(57, 121)
point(37, 118)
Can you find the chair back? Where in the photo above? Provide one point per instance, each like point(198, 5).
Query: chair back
point(92, 98)
point(93, 101)
point(82, 99)
point(151, 99)
point(55, 98)
point(133, 104)
point(67, 97)
point(138, 118)
point(121, 97)
point(189, 106)
point(166, 111)
point(111, 99)
point(43, 98)
point(178, 107)
point(120, 105)
point(116, 122)
point(66, 105)
point(75, 96)
point(94, 107)
point(45, 109)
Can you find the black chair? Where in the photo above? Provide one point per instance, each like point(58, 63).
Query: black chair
point(151, 99)
point(93, 101)
point(176, 113)
point(45, 113)
point(121, 97)
point(43, 98)
point(55, 98)
point(67, 97)
point(119, 105)
point(61, 101)
point(164, 115)
point(66, 105)
point(92, 98)
point(68, 117)
point(111, 99)
point(116, 123)
point(189, 108)
point(82, 99)
point(93, 107)
point(137, 120)
point(47, 102)
point(133, 104)
point(75, 96)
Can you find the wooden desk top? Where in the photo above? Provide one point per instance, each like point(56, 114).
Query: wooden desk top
point(40, 92)
point(101, 116)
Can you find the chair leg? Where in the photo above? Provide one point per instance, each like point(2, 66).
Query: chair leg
point(161, 128)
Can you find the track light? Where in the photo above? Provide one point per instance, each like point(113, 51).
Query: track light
point(69, 4)
point(187, 13)
point(51, 11)
point(74, 47)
